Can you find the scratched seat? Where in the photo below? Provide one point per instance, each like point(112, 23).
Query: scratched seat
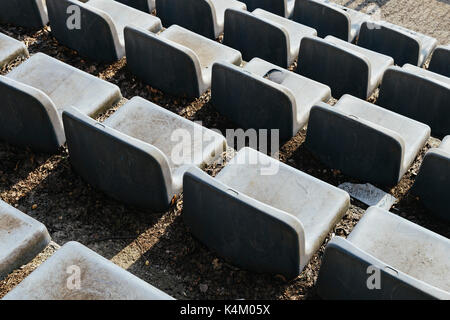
point(24, 13)
point(177, 61)
point(386, 257)
point(418, 94)
point(267, 36)
point(205, 17)
point(261, 214)
point(404, 45)
point(283, 8)
point(21, 239)
point(11, 49)
point(329, 18)
point(143, 5)
point(262, 95)
point(100, 33)
point(345, 67)
point(154, 147)
point(432, 184)
point(365, 141)
point(36, 92)
point(75, 272)
point(440, 61)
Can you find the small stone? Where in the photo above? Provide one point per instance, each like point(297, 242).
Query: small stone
point(203, 288)
point(34, 206)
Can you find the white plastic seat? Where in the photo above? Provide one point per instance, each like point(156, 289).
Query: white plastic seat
point(10, 49)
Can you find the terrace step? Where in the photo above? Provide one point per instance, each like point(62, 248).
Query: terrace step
point(411, 262)
point(24, 13)
point(261, 214)
point(99, 279)
point(365, 141)
point(205, 17)
point(345, 67)
point(267, 36)
point(100, 35)
point(10, 49)
point(154, 144)
point(329, 18)
point(283, 8)
point(404, 45)
point(21, 238)
point(432, 184)
point(440, 61)
point(177, 61)
point(262, 95)
point(35, 94)
point(408, 89)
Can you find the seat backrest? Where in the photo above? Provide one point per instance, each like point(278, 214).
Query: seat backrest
point(252, 101)
point(25, 13)
point(256, 37)
point(391, 42)
point(220, 217)
point(143, 5)
point(327, 20)
point(123, 167)
point(195, 15)
point(440, 61)
point(161, 63)
point(275, 6)
point(344, 71)
point(29, 117)
point(97, 36)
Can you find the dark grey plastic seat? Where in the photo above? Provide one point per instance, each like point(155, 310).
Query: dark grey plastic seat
point(329, 18)
point(283, 8)
point(261, 214)
point(24, 13)
point(365, 141)
point(205, 17)
point(404, 45)
point(412, 262)
point(262, 95)
point(440, 61)
point(101, 33)
point(432, 184)
point(177, 61)
point(21, 238)
point(10, 49)
point(418, 94)
point(75, 272)
point(35, 94)
point(267, 36)
point(139, 154)
point(143, 5)
point(345, 67)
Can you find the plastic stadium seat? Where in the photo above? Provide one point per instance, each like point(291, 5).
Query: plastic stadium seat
point(177, 61)
point(143, 5)
point(75, 272)
point(386, 257)
point(266, 36)
point(35, 94)
point(21, 239)
point(262, 95)
point(139, 154)
point(418, 94)
point(24, 13)
point(432, 184)
point(283, 8)
point(100, 35)
point(261, 214)
point(365, 141)
point(345, 67)
point(404, 45)
point(205, 17)
point(329, 18)
point(10, 49)
point(440, 61)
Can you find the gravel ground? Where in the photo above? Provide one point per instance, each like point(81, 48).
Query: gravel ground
point(157, 247)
